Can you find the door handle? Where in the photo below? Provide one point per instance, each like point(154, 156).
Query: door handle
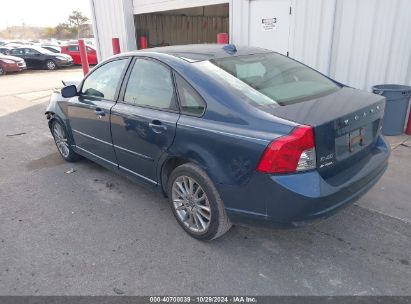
point(157, 126)
point(100, 113)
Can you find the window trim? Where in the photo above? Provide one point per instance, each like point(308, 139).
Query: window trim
point(119, 85)
point(123, 89)
point(178, 96)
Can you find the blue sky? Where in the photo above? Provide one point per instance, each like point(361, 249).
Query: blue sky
point(39, 12)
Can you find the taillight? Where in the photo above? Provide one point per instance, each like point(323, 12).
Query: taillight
point(291, 153)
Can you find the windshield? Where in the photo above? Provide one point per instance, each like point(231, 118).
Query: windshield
point(41, 50)
point(281, 79)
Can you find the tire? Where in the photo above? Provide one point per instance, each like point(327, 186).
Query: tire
point(190, 210)
point(51, 65)
point(63, 142)
point(2, 71)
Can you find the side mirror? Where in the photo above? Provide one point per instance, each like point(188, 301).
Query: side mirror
point(69, 91)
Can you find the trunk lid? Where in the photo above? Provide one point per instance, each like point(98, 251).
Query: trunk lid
point(346, 125)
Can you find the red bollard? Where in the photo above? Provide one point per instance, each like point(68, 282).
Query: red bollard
point(143, 42)
point(83, 56)
point(222, 38)
point(116, 46)
point(408, 129)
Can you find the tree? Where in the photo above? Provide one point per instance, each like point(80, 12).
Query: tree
point(49, 32)
point(76, 21)
point(62, 31)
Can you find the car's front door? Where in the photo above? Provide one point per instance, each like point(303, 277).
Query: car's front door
point(143, 122)
point(89, 113)
point(33, 58)
point(91, 56)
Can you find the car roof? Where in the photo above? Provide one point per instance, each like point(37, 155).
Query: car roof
point(200, 52)
point(75, 44)
point(34, 47)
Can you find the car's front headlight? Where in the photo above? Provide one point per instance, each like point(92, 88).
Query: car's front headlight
point(61, 58)
point(8, 61)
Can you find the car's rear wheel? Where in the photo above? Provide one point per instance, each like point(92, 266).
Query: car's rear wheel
point(2, 71)
point(51, 65)
point(196, 203)
point(62, 142)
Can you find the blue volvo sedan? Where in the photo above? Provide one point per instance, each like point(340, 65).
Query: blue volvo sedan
point(231, 135)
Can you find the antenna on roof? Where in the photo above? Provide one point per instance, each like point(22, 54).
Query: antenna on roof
point(230, 49)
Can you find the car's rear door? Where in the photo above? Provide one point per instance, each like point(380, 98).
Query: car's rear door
point(143, 122)
point(20, 53)
point(89, 113)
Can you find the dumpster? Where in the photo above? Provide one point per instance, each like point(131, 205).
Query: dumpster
point(395, 114)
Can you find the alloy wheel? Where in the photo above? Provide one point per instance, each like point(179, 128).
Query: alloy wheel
point(191, 204)
point(61, 140)
point(51, 65)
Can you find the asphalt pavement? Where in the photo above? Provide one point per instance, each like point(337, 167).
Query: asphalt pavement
point(92, 232)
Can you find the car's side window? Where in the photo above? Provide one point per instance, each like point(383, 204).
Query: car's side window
point(150, 85)
point(191, 102)
point(17, 52)
point(72, 48)
point(104, 81)
point(30, 52)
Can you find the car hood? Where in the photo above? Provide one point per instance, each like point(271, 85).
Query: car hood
point(65, 55)
point(60, 55)
point(14, 58)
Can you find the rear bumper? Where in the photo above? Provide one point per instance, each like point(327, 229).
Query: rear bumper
point(297, 199)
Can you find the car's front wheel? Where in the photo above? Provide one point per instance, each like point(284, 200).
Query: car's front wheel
point(2, 71)
point(62, 142)
point(51, 65)
point(196, 203)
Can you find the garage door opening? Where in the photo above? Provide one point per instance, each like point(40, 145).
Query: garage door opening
point(183, 26)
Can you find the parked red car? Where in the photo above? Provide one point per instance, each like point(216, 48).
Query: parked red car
point(74, 52)
point(11, 64)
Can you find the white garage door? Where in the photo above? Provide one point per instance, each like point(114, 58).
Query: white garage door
point(269, 24)
point(150, 6)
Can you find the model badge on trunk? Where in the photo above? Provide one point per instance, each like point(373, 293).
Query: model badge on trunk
point(327, 160)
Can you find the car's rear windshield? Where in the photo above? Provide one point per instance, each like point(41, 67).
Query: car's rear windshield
point(282, 80)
